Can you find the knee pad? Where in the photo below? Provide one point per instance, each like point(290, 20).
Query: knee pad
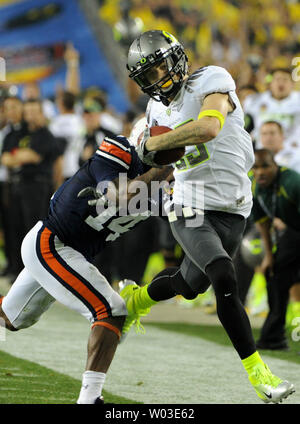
point(222, 276)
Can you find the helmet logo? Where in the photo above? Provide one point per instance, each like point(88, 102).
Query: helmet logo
point(170, 36)
point(143, 60)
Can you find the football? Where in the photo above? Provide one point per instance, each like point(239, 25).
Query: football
point(164, 157)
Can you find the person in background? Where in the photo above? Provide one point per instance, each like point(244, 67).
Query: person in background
point(14, 129)
point(95, 133)
point(272, 138)
point(32, 91)
point(29, 155)
point(276, 192)
point(243, 92)
point(280, 103)
point(69, 126)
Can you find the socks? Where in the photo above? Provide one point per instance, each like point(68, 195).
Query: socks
point(142, 298)
point(91, 388)
point(251, 361)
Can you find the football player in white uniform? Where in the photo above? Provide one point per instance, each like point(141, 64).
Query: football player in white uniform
point(212, 192)
point(280, 103)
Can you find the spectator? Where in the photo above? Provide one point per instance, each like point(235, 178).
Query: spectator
point(29, 154)
point(280, 103)
point(92, 109)
point(276, 194)
point(272, 138)
point(31, 91)
point(70, 126)
point(14, 129)
point(243, 93)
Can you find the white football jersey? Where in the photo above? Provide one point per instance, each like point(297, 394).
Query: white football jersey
point(71, 127)
point(264, 107)
point(289, 157)
point(213, 175)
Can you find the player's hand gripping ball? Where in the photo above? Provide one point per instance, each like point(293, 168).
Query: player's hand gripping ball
point(161, 157)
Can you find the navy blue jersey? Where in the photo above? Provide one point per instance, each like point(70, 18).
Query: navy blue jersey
point(75, 222)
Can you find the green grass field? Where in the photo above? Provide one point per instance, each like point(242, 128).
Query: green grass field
point(217, 334)
point(27, 382)
point(173, 363)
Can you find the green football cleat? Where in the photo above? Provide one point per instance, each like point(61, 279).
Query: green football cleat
point(129, 291)
point(269, 387)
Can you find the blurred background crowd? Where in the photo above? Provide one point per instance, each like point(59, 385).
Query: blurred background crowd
point(52, 118)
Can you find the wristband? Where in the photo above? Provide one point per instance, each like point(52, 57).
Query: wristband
point(213, 113)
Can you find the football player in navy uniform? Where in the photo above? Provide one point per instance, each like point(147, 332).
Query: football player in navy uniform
point(57, 254)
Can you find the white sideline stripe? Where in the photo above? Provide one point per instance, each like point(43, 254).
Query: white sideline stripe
point(158, 367)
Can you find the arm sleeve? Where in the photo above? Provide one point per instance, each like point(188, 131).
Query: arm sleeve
point(257, 212)
point(113, 156)
point(116, 151)
point(291, 185)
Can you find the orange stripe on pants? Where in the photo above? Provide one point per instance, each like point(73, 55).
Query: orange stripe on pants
point(69, 278)
point(109, 326)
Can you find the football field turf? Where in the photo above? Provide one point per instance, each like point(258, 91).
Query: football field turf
point(172, 363)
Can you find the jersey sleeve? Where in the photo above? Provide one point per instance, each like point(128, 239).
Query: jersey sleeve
point(257, 212)
point(291, 186)
point(117, 151)
point(212, 79)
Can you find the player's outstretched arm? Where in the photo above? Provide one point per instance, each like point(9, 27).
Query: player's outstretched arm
point(122, 191)
point(129, 189)
point(210, 121)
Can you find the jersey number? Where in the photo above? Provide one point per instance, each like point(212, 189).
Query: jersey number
point(191, 160)
point(117, 226)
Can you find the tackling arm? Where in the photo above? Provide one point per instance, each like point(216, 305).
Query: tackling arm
point(127, 191)
point(122, 194)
